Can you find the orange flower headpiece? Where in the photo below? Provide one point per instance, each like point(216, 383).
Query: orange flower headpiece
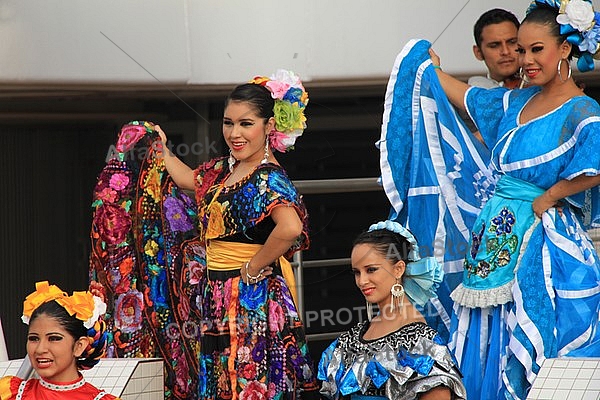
point(82, 305)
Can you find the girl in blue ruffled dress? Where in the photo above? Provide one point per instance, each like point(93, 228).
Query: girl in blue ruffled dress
point(531, 281)
point(395, 354)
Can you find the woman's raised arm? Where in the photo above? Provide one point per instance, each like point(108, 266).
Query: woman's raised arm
point(454, 88)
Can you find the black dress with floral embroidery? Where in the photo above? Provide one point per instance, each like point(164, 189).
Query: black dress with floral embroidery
point(253, 343)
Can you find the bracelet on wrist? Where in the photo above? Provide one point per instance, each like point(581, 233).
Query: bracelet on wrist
point(250, 278)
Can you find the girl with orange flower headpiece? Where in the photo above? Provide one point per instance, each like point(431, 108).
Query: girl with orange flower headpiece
point(65, 334)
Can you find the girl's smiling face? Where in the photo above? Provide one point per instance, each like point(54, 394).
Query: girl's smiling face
point(374, 274)
point(245, 131)
point(52, 350)
point(539, 54)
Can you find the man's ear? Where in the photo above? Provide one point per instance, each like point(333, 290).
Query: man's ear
point(477, 52)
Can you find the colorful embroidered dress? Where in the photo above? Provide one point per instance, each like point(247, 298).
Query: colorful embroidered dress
point(146, 254)
point(252, 343)
point(13, 388)
point(531, 288)
point(398, 366)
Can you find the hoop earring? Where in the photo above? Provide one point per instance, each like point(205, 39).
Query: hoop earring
point(231, 161)
point(266, 156)
point(560, 73)
point(523, 78)
point(397, 300)
point(369, 311)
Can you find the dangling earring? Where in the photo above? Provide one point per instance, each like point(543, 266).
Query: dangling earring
point(231, 161)
point(522, 77)
point(369, 311)
point(266, 156)
point(560, 73)
point(397, 300)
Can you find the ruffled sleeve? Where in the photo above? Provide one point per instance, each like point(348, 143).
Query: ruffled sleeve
point(273, 188)
point(585, 160)
point(9, 386)
point(351, 366)
point(486, 108)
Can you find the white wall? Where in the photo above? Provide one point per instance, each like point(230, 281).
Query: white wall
point(227, 41)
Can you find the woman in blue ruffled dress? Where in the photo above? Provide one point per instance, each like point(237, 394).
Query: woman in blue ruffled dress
point(530, 288)
point(394, 355)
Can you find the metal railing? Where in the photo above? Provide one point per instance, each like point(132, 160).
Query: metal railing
point(323, 186)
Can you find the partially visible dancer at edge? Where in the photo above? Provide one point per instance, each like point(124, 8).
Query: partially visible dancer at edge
point(251, 220)
point(529, 234)
point(530, 287)
point(66, 334)
point(393, 355)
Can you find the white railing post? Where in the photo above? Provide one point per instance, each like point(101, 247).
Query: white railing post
point(3, 350)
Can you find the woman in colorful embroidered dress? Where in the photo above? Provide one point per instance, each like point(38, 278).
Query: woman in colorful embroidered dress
point(251, 220)
point(394, 355)
point(531, 286)
point(66, 334)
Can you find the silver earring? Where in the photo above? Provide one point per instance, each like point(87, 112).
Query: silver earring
point(397, 300)
point(523, 78)
point(560, 73)
point(266, 156)
point(369, 311)
point(231, 161)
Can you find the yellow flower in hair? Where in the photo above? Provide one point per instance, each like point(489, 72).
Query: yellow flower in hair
point(80, 305)
point(44, 293)
point(260, 80)
point(84, 306)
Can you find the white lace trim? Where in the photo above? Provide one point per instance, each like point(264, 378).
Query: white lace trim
point(473, 298)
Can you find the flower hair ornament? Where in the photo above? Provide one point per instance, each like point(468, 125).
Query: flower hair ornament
point(422, 276)
point(290, 101)
point(581, 24)
point(82, 305)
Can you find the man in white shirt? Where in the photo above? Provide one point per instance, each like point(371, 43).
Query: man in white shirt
point(495, 34)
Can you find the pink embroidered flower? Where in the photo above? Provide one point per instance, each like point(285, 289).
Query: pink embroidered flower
point(243, 354)
point(107, 195)
point(195, 272)
point(129, 136)
point(119, 181)
point(254, 390)
point(113, 223)
point(249, 371)
point(272, 390)
point(128, 311)
point(276, 317)
point(184, 308)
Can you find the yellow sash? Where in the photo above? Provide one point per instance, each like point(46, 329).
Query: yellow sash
point(230, 256)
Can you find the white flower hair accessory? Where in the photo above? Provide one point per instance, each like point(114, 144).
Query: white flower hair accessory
point(422, 276)
point(290, 101)
point(581, 24)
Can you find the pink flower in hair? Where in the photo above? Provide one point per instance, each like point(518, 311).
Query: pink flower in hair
point(278, 89)
point(276, 139)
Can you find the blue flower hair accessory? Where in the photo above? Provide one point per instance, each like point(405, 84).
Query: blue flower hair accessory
point(422, 276)
point(581, 24)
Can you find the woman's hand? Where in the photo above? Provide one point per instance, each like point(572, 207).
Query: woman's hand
point(435, 59)
point(161, 133)
point(250, 276)
point(542, 203)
